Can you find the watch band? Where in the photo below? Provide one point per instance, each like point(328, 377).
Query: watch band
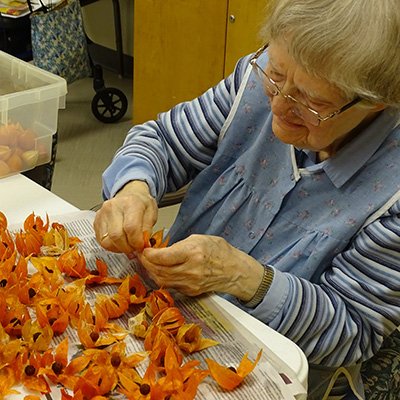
point(262, 290)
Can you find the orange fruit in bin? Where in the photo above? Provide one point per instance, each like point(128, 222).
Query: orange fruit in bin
point(26, 140)
point(18, 149)
point(30, 158)
point(5, 152)
point(7, 136)
point(4, 168)
point(3, 136)
point(15, 162)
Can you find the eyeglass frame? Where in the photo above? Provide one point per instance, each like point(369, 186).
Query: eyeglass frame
point(320, 118)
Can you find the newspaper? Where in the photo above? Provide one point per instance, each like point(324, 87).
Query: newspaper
point(272, 379)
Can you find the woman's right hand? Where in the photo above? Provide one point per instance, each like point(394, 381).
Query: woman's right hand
point(121, 221)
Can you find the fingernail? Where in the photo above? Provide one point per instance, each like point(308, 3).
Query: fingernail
point(131, 256)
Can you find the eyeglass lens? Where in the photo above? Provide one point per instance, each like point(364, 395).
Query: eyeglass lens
point(296, 107)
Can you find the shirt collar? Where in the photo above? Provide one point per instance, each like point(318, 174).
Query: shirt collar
point(352, 157)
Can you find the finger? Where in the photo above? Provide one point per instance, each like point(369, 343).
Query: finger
point(137, 220)
point(116, 241)
point(168, 256)
point(108, 228)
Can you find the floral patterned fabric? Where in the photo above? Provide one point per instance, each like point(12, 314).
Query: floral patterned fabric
point(59, 42)
point(381, 374)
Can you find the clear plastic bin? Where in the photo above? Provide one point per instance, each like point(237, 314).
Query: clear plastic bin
point(29, 102)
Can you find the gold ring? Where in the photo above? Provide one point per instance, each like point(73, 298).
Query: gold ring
point(104, 236)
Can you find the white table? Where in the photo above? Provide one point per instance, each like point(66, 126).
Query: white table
point(19, 196)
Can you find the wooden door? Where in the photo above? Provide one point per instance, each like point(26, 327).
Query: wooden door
point(245, 19)
point(179, 49)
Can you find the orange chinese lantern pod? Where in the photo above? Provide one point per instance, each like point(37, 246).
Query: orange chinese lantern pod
point(10, 350)
point(36, 337)
point(136, 388)
point(155, 240)
point(138, 325)
point(35, 223)
point(133, 289)
point(170, 319)
point(57, 240)
point(90, 318)
point(15, 317)
point(47, 266)
point(172, 360)
point(129, 384)
point(28, 243)
point(27, 367)
point(73, 240)
point(8, 268)
point(193, 381)
point(102, 267)
point(72, 299)
point(156, 334)
point(116, 361)
point(230, 378)
point(60, 325)
point(96, 380)
point(20, 268)
point(61, 353)
point(60, 371)
point(189, 339)
point(157, 341)
point(3, 221)
point(50, 313)
point(73, 263)
point(158, 300)
point(91, 337)
point(49, 273)
point(179, 381)
point(100, 275)
point(114, 305)
point(38, 287)
point(7, 381)
point(70, 374)
point(7, 246)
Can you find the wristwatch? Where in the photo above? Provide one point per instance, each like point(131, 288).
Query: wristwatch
point(262, 290)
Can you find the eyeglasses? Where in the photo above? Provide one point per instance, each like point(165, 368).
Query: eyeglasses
point(300, 109)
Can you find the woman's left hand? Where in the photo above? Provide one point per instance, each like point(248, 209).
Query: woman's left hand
point(203, 263)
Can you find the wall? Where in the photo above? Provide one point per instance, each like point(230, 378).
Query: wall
point(98, 20)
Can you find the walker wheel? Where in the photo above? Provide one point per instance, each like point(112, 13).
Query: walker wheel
point(109, 105)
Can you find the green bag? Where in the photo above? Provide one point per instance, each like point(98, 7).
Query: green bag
point(59, 42)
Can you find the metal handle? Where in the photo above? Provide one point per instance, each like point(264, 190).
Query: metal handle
point(232, 18)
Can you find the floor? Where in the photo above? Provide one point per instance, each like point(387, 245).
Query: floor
point(86, 146)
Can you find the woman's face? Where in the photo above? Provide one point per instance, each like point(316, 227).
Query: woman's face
point(317, 94)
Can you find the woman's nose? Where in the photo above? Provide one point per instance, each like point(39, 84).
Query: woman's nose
point(280, 105)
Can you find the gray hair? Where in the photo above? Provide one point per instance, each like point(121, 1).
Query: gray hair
point(353, 44)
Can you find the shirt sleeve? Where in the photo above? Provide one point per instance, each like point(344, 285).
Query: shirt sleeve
point(169, 152)
point(344, 318)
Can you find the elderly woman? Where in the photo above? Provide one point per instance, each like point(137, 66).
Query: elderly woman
point(294, 203)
